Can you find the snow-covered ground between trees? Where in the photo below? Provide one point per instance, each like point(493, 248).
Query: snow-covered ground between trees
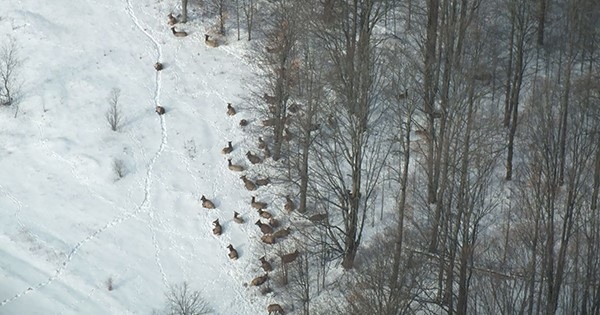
point(69, 224)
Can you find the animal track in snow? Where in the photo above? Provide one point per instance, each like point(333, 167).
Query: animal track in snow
point(144, 205)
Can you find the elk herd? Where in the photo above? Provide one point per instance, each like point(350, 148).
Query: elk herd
point(267, 224)
point(266, 221)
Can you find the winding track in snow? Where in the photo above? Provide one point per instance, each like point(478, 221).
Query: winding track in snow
point(144, 205)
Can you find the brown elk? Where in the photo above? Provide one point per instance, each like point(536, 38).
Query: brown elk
point(178, 33)
point(317, 217)
point(248, 183)
point(264, 214)
point(269, 122)
point(233, 254)
point(160, 110)
point(267, 153)
point(261, 143)
point(272, 50)
point(230, 110)
point(271, 100)
point(211, 42)
point(254, 159)
point(273, 222)
point(207, 203)
point(243, 123)
point(266, 266)
point(289, 204)
point(257, 204)
point(234, 167)
point(275, 309)
point(237, 218)
point(259, 280)
point(263, 181)
point(217, 229)
point(288, 135)
point(294, 108)
point(264, 228)
point(172, 19)
point(268, 239)
point(228, 148)
point(288, 258)
point(282, 233)
point(158, 66)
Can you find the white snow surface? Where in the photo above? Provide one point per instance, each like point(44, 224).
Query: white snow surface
point(68, 224)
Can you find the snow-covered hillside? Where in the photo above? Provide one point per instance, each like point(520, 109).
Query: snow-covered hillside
point(68, 224)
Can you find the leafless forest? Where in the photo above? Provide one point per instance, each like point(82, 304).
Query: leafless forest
point(444, 153)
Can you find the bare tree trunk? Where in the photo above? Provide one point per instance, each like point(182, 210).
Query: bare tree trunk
point(184, 13)
point(430, 92)
point(542, 10)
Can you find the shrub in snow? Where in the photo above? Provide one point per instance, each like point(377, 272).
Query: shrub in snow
point(181, 300)
point(119, 168)
point(114, 115)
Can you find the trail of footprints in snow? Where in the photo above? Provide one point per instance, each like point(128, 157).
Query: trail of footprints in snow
point(163, 143)
point(144, 205)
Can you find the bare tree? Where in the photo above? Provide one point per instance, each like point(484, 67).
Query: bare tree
point(10, 64)
point(346, 172)
point(114, 115)
point(181, 300)
point(220, 8)
point(249, 7)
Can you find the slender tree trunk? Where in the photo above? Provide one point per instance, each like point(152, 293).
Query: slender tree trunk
point(541, 21)
point(429, 92)
point(184, 13)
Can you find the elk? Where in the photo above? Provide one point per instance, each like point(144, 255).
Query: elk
point(217, 229)
point(288, 258)
point(263, 181)
point(267, 153)
point(230, 110)
point(268, 239)
point(272, 50)
point(269, 122)
point(401, 96)
point(259, 280)
point(227, 149)
point(172, 19)
point(264, 228)
point(261, 143)
point(282, 233)
point(275, 309)
point(294, 108)
point(233, 254)
point(257, 204)
point(234, 167)
point(210, 42)
point(243, 123)
point(317, 217)
point(237, 218)
point(289, 204)
point(271, 100)
point(266, 266)
point(288, 135)
point(178, 33)
point(158, 66)
point(207, 203)
point(160, 110)
point(273, 222)
point(264, 214)
point(248, 183)
point(254, 159)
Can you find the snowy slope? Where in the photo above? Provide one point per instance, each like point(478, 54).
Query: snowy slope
point(68, 225)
